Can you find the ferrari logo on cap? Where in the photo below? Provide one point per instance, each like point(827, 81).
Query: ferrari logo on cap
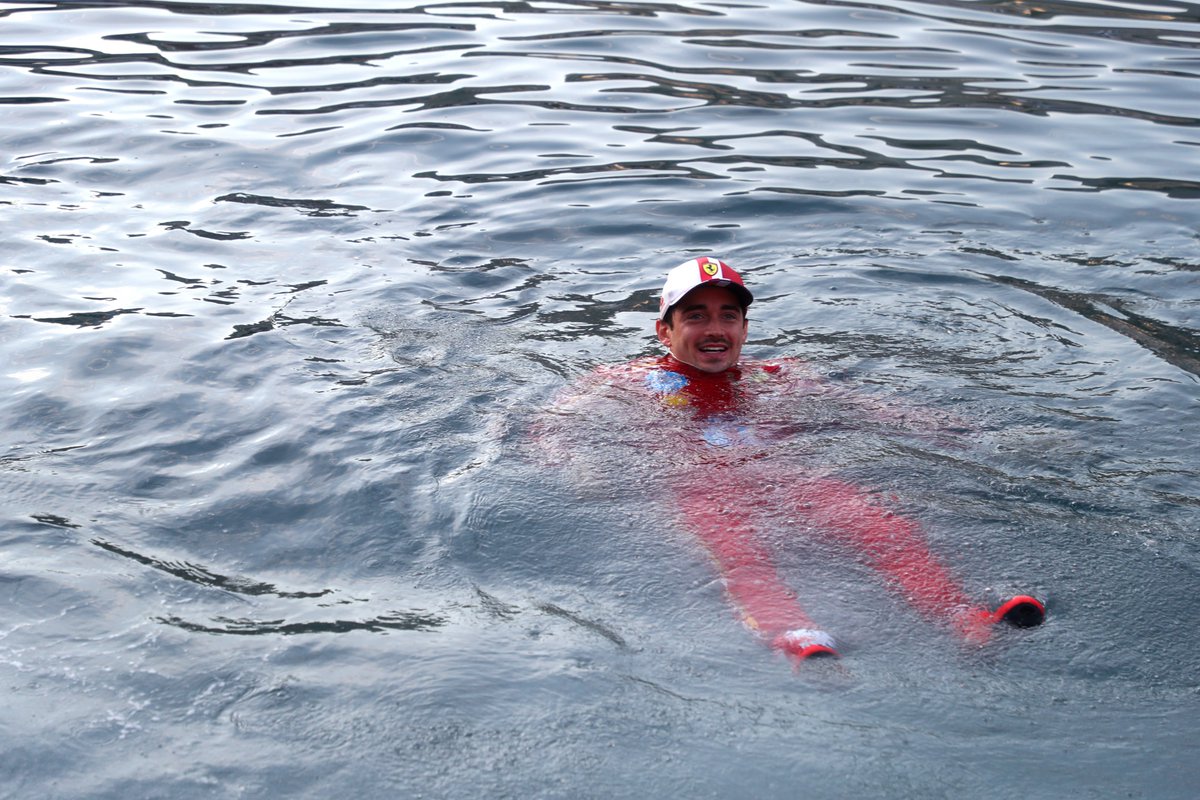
point(709, 266)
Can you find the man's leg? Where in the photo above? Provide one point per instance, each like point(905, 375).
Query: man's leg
point(895, 546)
point(767, 604)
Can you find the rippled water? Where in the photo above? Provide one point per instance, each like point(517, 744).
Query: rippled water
point(284, 285)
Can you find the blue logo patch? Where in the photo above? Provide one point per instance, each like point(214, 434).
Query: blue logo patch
point(662, 381)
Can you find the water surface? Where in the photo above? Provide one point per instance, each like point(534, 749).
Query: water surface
point(285, 286)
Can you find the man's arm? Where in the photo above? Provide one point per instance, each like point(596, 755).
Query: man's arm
point(800, 379)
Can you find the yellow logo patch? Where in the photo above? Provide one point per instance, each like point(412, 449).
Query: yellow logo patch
point(710, 267)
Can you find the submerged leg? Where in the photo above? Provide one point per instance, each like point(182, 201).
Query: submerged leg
point(767, 605)
point(894, 546)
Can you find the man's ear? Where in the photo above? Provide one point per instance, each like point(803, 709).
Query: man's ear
point(664, 333)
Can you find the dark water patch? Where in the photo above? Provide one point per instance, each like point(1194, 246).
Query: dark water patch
point(60, 239)
point(449, 126)
point(309, 207)
point(243, 330)
point(281, 320)
point(84, 319)
point(185, 225)
point(462, 97)
point(393, 621)
point(495, 607)
point(1179, 264)
point(55, 521)
point(186, 281)
point(1178, 189)
point(9, 179)
point(1177, 346)
point(16, 461)
point(322, 33)
point(406, 80)
point(587, 624)
point(202, 576)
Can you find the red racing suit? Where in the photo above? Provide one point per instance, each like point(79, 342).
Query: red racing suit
point(717, 441)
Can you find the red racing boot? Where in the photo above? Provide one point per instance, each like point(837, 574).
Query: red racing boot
point(1021, 611)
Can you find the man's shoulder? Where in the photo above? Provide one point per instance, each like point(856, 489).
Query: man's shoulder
point(636, 369)
point(605, 379)
point(768, 368)
point(663, 373)
point(746, 368)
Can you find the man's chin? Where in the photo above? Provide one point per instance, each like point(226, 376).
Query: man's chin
point(720, 363)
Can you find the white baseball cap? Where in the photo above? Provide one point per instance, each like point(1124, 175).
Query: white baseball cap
point(694, 272)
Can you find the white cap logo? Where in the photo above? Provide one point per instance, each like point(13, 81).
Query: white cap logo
point(694, 272)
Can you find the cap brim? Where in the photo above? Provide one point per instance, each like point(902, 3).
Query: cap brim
point(742, 293)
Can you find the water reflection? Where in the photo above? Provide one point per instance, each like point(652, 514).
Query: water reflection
point(286, 284)
point(1175, 345)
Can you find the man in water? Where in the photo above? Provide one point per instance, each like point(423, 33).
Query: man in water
point(719, 430)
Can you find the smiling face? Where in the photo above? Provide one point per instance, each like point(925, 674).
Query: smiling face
point(705, 329)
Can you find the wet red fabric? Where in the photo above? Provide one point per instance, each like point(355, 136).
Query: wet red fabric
point(719, 480)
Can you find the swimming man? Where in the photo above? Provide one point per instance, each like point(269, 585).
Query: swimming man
point(719, 429)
